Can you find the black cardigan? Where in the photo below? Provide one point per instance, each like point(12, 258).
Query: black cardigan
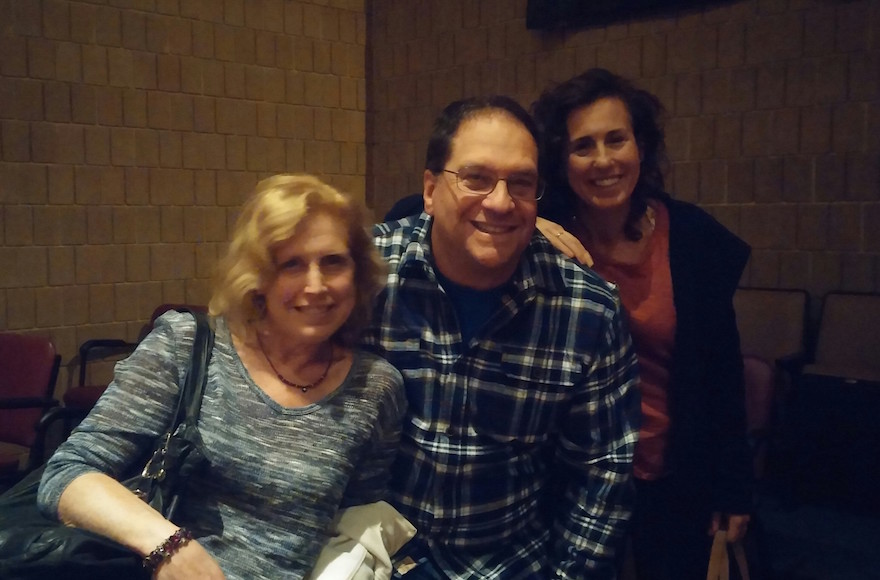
point(707, 441)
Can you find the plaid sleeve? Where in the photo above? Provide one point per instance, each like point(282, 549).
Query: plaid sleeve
point(597, 440)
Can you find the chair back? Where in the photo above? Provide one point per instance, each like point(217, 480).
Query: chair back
point(28, 368)
point(106, 352)
point(771, 322)
point(848, 337)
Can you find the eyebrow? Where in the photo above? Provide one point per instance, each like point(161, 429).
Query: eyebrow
point(616, 131)
point(581, 140)
point(524, 171)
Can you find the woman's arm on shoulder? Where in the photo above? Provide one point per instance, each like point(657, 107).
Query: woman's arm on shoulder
point(564, 241)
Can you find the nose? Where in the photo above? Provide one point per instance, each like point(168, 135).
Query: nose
point(499, 199)
point(601, 158)
point(314, 278)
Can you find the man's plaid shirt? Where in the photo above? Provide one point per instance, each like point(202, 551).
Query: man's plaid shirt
point(516, 453)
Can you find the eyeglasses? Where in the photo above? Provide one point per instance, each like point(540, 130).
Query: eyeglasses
point(482, 181)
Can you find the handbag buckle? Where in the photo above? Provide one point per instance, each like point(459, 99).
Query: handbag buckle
point(155, 467)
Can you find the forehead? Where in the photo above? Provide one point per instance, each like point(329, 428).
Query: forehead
point(316, 233)
point(607, 113)
point(493, 139)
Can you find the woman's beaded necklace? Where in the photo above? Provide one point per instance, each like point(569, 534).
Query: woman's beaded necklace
point(303, 388)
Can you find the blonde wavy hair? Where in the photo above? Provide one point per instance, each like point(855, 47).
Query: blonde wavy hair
point(273, 214)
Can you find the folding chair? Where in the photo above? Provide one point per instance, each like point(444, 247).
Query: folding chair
point(28, 371)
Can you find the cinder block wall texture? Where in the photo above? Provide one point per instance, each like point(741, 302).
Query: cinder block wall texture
point(132, 129)
point(774, 112)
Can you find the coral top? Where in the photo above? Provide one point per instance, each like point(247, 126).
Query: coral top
point(646, 292)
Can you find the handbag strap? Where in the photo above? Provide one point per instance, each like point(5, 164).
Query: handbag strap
point(189, 403)
point(185, 419)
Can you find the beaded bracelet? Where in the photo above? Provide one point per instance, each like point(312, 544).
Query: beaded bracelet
point(167, 549)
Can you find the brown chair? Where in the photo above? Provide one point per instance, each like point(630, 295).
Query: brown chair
point(28, 371)
point(772, 323)
point(848, 338)
point(835, 406)
point(80, 399)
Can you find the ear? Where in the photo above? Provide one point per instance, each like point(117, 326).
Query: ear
point(429, 183)
point(258, 299)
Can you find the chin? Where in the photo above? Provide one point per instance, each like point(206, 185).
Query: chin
point(316, 337)
point(496, 260)
point(606, 200)
point(487, 254)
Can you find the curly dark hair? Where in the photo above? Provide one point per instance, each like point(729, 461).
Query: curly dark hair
point(551, 112)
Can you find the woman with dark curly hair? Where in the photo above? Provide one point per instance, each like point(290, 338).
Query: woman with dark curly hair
point(677, 269)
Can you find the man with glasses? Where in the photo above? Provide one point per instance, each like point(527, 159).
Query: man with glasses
point(516, 452)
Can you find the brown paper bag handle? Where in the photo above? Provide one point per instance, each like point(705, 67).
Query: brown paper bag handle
point(719, 560)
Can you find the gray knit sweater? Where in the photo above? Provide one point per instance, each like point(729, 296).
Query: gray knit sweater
point(277, 475)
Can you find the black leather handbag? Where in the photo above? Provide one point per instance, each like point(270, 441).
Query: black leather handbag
point(35, 547)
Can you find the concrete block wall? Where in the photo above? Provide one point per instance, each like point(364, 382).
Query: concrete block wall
point(130, 130)
point(774, 112)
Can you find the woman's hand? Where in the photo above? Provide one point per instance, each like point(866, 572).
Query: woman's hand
point(736, 527)
point(564, 241)
point(190, 561)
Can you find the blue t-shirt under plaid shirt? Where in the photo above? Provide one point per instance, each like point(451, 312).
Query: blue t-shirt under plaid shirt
point(516, 452)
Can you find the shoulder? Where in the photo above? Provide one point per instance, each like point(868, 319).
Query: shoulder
point(692, 225)
point(173, 333)
point(698, 242)
point(397, 228)
point(687, 213)
point(174, 321)
point(690, 217)
point(391, 238)
point(405, 245)
point(178, 326)
point(410, 205)
point(379, 378)
point(554, 273)
point(372, 364)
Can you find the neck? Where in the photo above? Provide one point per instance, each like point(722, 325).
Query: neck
point(602, 225)
point(291, 355)
point(303, 369)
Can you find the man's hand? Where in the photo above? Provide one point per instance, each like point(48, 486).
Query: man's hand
point(564, 241)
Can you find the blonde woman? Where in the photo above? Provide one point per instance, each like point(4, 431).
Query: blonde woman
point(296, 422)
